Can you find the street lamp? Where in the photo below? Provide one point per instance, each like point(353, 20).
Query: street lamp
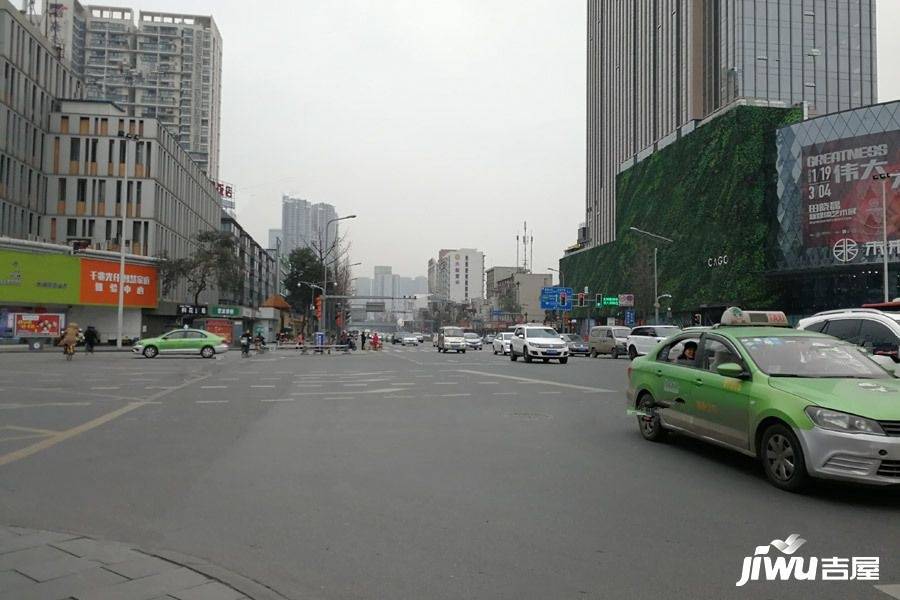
point(325, 268)
point(558, 312)
point(126, 137)
point(884, 248)
point(656, 296)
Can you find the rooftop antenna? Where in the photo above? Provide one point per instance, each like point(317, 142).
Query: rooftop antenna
point(531, 258)
point(517, 252)
point(525, 249)
point(55, 12)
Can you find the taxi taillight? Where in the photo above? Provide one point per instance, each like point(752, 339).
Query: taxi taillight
point(628, 371)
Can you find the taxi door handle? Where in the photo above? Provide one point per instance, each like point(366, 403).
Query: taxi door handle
point(659, 372)
point(698, 382)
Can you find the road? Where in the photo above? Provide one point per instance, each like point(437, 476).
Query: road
point(407, 474)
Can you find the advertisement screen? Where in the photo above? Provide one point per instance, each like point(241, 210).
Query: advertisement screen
point(221, 327)
point(30, 325)
point(27, 277)
point(842, 201)
point(100, 284)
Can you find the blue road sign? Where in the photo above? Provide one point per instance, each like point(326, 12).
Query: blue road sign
point(629, 318)
point(496, 312)
point(556, 298)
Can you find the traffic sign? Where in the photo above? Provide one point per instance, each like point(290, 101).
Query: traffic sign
point(556, 298)
point(629, 318)
point(626, 299)
point(610, 301)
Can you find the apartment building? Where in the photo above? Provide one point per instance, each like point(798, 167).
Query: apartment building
point(160, 65)
point(260, 275)
point(458, 275)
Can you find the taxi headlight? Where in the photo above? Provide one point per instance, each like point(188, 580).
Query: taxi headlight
point(839, 421)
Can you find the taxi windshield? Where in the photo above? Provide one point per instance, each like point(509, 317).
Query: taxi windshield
point(812, 357)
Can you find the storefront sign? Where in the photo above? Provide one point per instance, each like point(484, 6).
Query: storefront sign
point(192, 310)
point(30, 325)
point(225, 311)
point(840, 198)
point(626, 299)
point(717, 261)
point(100, 284)
point(32, 278)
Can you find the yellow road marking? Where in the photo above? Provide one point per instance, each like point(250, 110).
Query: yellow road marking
point(67, 434)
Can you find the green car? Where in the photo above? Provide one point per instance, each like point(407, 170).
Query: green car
point(805, 404)
point(182, 341)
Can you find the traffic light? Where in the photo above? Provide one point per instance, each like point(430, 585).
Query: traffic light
point(598, 300)
point(580, 301)
point(319, 308)
point(563, 299)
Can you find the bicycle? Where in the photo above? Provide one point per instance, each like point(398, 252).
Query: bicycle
point(69, 351)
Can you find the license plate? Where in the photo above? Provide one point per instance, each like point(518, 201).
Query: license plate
point(552, 352)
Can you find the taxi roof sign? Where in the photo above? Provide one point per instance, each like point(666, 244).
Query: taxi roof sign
point(735, 317)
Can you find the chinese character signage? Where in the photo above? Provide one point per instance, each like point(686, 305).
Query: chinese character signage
point(29, 325)
point(100, 284)
point(233, 312)
point(192, 310)
point(226, 194)
point(842, 204)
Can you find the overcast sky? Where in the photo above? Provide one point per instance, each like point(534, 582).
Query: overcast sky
point(441, 124)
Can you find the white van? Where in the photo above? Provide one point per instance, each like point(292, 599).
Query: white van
point(451, 338)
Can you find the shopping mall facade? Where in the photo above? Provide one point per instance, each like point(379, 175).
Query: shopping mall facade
point(766, 208)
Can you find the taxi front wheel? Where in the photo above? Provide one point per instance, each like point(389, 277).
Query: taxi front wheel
point(782, 458)
point(651, 429)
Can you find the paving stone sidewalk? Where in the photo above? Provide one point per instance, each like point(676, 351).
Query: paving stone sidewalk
point(46, 565)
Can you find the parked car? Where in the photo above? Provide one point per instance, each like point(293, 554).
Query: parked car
point(182, 341)
point(538, 341)
point(451, 338)
point(501, 342)
point(802, 403)
point(875, 330)
point(643, 339)
point(607, 339)
point(473, 340)
point(577, 345)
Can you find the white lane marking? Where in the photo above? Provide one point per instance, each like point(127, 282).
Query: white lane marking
point(487, 382)
point(53, 404)
point(213, 387)
point(334, 393)
point(549, 393)
point(262, 386)
point(505, 394)
point(355, 384)
point(158, 387)
point(211, 401)
point(453, 395)
point(539, 381)
point(280, 400)
point(445, 383)
point(403, 384)
point(107, 387)
point(228, 379)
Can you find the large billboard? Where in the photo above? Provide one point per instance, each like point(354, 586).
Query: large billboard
point(30, 278)
point(841, 199)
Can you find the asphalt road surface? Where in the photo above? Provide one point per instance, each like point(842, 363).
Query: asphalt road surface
point(408, 474)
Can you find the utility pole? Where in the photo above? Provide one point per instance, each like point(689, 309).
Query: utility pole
point(884, 241)
point(124, 138)
point(656, 296)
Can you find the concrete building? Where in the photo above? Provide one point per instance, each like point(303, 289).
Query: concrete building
point(303, 224)
point(363, 286)
point(494, 275)
point(654, 70)
point(166, 66)
point(458, 275)
point(30, 79)
point(260, 277)
point(525, 288)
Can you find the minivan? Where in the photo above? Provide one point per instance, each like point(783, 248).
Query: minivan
point(608, 339)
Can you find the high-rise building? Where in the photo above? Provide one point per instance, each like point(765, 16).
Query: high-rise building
point(303, 224)
point(165, 66)
point(657, 69)
point(276, 238)
point(458, 275)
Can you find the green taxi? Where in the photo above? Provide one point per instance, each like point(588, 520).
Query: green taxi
point(182, 341)
point(805, 404)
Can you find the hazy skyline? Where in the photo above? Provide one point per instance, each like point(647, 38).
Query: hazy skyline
point(440, 125)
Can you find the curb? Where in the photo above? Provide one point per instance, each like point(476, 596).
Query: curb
point(249, 587)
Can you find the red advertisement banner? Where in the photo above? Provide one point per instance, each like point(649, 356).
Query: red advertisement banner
point(37, 325)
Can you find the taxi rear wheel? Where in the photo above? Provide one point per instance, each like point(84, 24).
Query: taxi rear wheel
point(782, 458)
point(650, 426)
point(207, 352)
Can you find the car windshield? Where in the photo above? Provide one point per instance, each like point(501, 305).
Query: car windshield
point(453, 332)
point(621, 332)
point(544, 332)
point(506, 336)
point(571, 337)
point(472, 336)
point(814, 357)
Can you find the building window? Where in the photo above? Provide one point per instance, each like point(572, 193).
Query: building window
point(75, 149)
point(71, 227)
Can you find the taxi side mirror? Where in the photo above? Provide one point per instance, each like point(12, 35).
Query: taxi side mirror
point(732, 370)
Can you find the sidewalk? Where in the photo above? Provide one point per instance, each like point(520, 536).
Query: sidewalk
point(44, 565)
point(50, 347)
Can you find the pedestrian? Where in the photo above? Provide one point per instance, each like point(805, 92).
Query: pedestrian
point(91, 339)
point(362, 340)
point(375, 341)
